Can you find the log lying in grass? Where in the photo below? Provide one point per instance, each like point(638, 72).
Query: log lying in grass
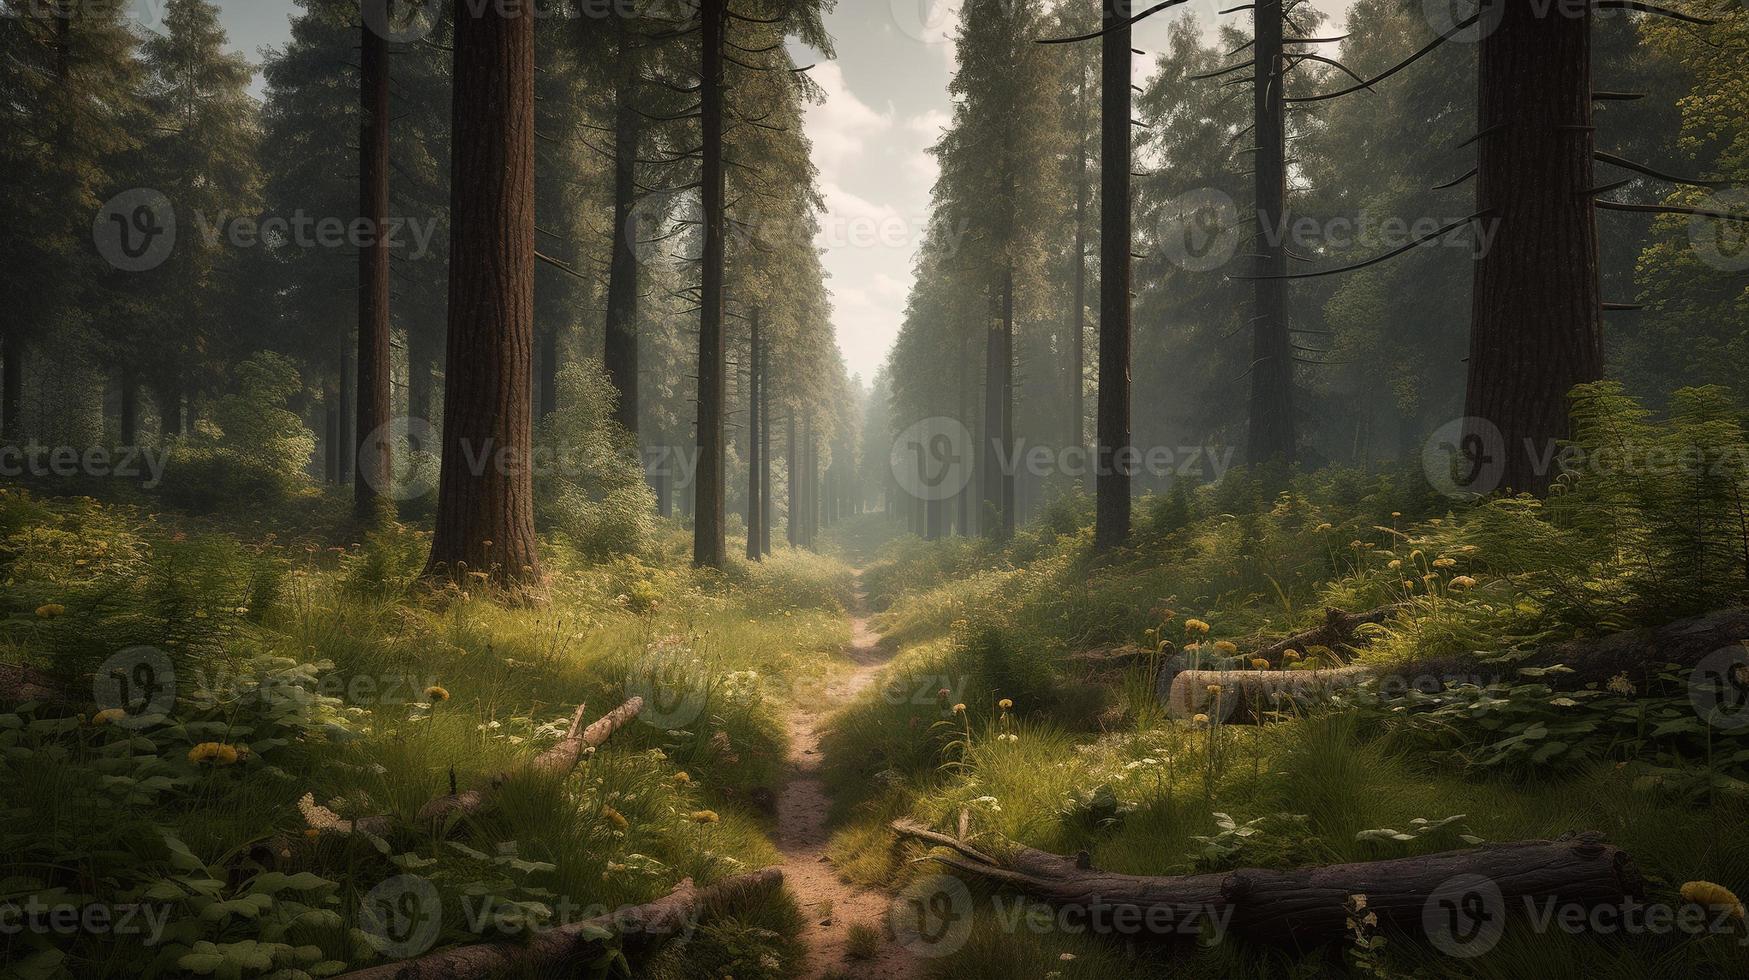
point(1305, 908)
point(1249, 696)
point(546, 953)
point(1338, 629)
point(556, 761)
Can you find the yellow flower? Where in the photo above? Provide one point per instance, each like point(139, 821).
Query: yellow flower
point(108, 715)
point(681, 778)
point(1713, 896)
point(1291, 656)
point(1395, 564)
point(1200, 720)
point(1260, 663)
point(705, 816)
point(436, 694)
point(1445, 563)
point(959, 709)
point(50, 610)
point(1619, 684)
point(614, 817)
point(1215, 689)
point(1005, 704)
point(1227, 647)
point(1195, 626)
point(216, 753)
point(1463, 582)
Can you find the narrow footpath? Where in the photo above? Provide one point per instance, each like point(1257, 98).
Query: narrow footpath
point(830, 905)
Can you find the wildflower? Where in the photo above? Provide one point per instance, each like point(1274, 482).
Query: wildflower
point(959, 709)
point(614, 817)
point(50, 610)
point(1006, 704)
point(1290, 656)
point(217, 753)
point(1227, 647)
point(1215, 689)
point(436, 694)
point(1325, 527)
point(1713, 896)
point(1195, 626)
point(1200, 719)
point(1260, 663)
point(1008, 738)
point(1445, 563)
point(1395, 564)
point(312, 833)
point(705, 816)
point(1463, 582)
point(681, 778)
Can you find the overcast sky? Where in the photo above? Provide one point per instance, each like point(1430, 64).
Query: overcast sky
point(886, 104)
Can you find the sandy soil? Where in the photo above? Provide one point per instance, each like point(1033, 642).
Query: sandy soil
point(831, 905)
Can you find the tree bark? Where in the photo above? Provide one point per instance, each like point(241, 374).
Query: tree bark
point(709, 547)
point(1307, 907)
point(1006, 390)
point(620, 344)
point(130, 408)
point(1112, 486)
point(766, 510)
point(1272, 376)
point(792, 508)
point(348, 412)
point(1078, 322)
point(755, 437)
point(485, 513)
point(963, 499)
point(375, 364)
point(1537, 309)
point(331, 434)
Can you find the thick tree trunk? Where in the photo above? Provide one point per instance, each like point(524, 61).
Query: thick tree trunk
point(708, 545)
point(755, 435)
point(485, 511)
point(12, 388)
point(375, 364)
point(1272, 375)
point(1112, 486)
point(620, 345)
point(1537, 311)
point(766, 510)
point(1308, 907)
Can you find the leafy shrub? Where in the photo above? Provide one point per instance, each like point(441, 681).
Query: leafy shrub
point(590, 483)
point(253, 450)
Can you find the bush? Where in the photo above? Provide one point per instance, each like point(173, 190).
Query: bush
point(590, 483)
point(252, 452)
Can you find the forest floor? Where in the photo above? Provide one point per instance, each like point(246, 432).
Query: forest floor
point(836, 912)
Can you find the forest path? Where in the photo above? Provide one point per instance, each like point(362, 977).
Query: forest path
point(830, 907)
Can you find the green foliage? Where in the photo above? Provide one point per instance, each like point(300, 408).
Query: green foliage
point(591, 487)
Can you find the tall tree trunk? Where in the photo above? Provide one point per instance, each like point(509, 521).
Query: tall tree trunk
point(755, 435)
point(1112, 496)
point(421, 379)
point(619, 352)
point(1537, 310)
point(1006, 390)
point(375, 359)
point(708, 544)
point(793, 485)
point(963, 522)
point(12, 388)
point(485, 514)
point(1272, 375)
point(1078, 322)
point(990, 460)
point(331, 434)
point(765, 508)
point(130, 407)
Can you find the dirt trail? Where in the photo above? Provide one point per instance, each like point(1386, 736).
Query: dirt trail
point(830, 905)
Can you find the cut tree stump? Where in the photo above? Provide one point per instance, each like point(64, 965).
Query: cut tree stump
point(1307, 907)
point(546, 952)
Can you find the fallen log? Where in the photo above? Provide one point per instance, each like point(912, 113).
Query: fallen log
point(1339, 629)
point(1308, 907)
point(640, 926)
point(1253, 696)
point(557, 760)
